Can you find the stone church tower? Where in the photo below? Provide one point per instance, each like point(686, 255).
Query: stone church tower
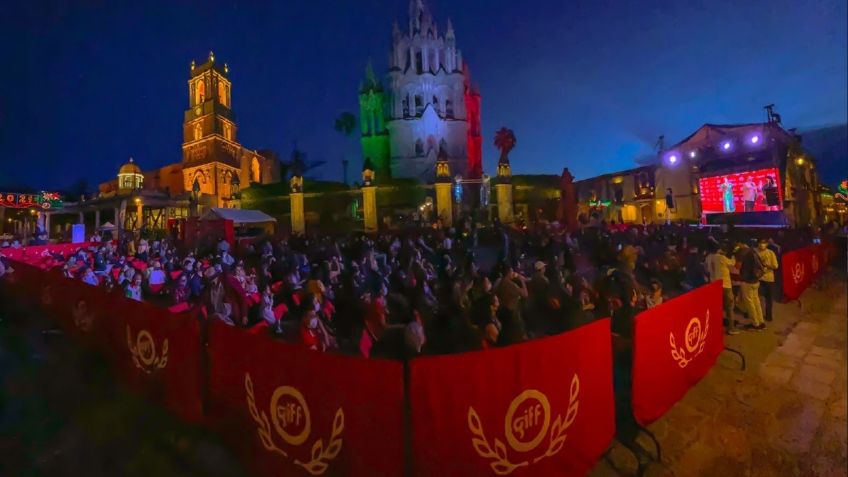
point(212, 156)
point(427, 109)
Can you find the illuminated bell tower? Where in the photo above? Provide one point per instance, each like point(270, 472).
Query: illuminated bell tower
point(372, 119)
point(211, 155)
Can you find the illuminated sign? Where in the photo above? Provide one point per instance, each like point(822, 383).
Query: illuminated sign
point(600, 203)
point(44, 201)
point(842, 191)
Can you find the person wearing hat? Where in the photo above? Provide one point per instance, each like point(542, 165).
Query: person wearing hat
point(538, 290)
point(770, 265)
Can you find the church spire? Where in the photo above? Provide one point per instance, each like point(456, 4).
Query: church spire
point(450, 36)
point(420, 19)
point(395, 30)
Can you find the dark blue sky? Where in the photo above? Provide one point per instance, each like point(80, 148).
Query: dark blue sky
point(586, 84)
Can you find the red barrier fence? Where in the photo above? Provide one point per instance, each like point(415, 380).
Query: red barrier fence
point(539, 408)
point(674, 346)
point(292, 411)
point(156, 352)
point(544, 407)
point(40, 255)
point(802, 266)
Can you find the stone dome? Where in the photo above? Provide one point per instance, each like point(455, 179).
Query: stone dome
point(130, 168)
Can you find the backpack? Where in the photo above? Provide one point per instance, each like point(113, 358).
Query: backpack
point(757, 268)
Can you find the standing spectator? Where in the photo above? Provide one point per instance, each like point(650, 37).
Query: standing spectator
point(750, 271)
point(769, 262)
point(718, 267)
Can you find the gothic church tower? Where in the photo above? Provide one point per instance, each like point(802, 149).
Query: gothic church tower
point(429, 97)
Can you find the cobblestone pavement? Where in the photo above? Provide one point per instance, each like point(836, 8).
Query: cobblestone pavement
point(784, 416)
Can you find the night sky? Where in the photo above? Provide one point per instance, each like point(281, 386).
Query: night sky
point(587, 84)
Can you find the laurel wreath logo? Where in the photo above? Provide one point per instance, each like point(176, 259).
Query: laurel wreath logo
point(798, 272)
point(499, 456)
point(320, 456)
point(143, 351)
point(679, 354)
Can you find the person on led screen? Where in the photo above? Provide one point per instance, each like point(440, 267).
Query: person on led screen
point(727, 195)
point(770, 193)
point(749, 194)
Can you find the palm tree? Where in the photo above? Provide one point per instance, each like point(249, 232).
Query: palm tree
point(298, 164)
point(345, 124)
point(505, 142)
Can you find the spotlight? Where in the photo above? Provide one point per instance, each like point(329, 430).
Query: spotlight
point(692, 154)
point(755, 139)
point(672, 158)
point(726, 145)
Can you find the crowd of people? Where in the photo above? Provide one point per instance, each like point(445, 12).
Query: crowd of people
point(435, 291)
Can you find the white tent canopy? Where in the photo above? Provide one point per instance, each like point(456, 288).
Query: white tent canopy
point(108, 226)
point(238, 216)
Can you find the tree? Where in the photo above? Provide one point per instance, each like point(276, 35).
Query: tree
point(505, 141)
point(298, 164)
point(345, 123)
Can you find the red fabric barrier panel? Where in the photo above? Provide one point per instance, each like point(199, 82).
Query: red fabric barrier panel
point(158, 354)
point(39, 255)
point(291, 411)
point(83, 311)
point(539, 408)
point(797, 272)
point(674, 346)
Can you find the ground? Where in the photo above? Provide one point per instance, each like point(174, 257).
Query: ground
point(783, 416)
point(61, 412)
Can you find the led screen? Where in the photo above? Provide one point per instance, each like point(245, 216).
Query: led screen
point(753, 191)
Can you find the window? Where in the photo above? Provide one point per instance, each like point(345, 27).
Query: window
point(449, 108)
point(436, 104)
point(198, 131)
point(222, 93)
point(255, 171)
point(419, 64)
point(419, 148)
point(406, 106)
point(228, 131)
point(199, 92)
point(443, 145)
point(419, 105)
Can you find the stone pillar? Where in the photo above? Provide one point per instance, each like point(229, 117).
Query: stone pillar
point(298, 221)
point(96, 219)
point(369, 208)
point(505, 209)
point(81, 219)
point(47, 223)
point(444, 203)
point(139, 216)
